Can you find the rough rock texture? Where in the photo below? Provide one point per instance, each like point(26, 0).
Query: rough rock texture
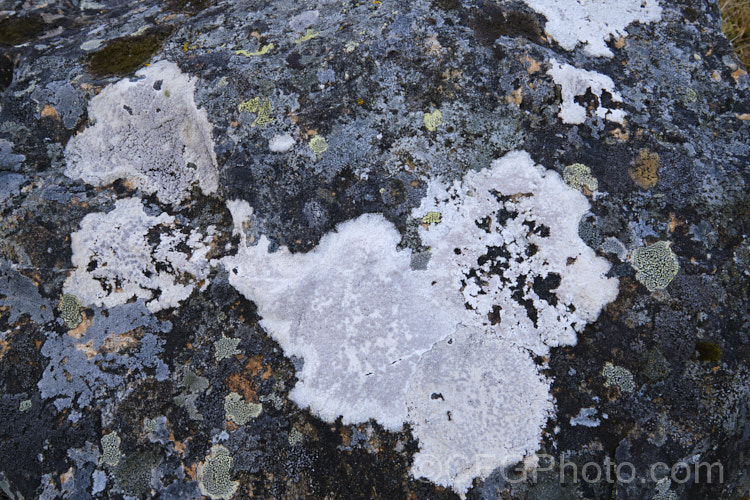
point(148, 149)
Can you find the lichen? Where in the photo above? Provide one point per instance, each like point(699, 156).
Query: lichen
point(432, 218)
point(251, 105)
point(432, 120)
point(70, 310)
point(617, 376)
point(575, 82)
point(214, 477)
point(111, 449)
point(262, 51)
point(226, 347)
point(578, 176)
point(645, 172)
point(656, 265)
point(237, 410)
point(130, 118)
point(319, 145)
point(309, 35)
point(264, 115)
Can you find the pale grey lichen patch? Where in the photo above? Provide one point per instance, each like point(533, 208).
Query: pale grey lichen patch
point(193, 386)
point(156, 138)
point(592, 23)
point(380, 340)
point(226, 347)
point(214, 478)
point(656, 265)
point(614, 246)
point(80, 370)
point(586, 418)
point(617, 376)
point(237, 410)
point(116, 260)
point(21, 296)
point(576, 82)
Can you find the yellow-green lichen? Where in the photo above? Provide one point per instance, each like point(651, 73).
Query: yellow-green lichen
point(617, 376)
point(432, 120)
point(578, 176)
point(226, 347)
point(214, 479)
point(656, 265)
point(319, 145)
point(111, 448)
point(70, 310)
point(264, 114)
point(432, 218)
point(295, 437)
point(251, 105)
point(263, 50)
point(309, 34)
point(238, 411)
point(24, 405)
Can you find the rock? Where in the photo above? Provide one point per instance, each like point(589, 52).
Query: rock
point(442, 248)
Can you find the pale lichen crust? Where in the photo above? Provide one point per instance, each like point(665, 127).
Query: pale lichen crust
point(149, 132)
point(448, 346)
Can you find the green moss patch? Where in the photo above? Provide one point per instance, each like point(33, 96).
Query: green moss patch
point(18, 30)
point(123, 56)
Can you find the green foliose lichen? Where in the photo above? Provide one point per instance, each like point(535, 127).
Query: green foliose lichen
point(319, 145)
point(111, 449)
point(432, 218)
point(226, 347)
point(264, 115)
point(432, 120)
point(70, 310)
point(238, 411)
point(617, 376)
point(214, 478)
point(578, 176)
point(656, 265)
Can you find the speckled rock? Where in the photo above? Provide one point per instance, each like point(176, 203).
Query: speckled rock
point(231, 123)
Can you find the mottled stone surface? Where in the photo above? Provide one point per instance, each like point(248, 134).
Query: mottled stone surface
point(320, 113)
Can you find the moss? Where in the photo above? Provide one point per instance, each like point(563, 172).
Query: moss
point(18, 30)
point(707, 351)
point(111, 449)
point(578, 176)
point(122, 56)
point(189, 6)
point(656, 265)
point(617, 376)
point(238, 411)
point(432, 120)
point(70, 310)
point(214, 479)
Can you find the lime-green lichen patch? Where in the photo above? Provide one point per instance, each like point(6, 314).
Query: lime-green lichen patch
point(690, 96)
point(264, 114)
point(432, 120)
point(70, 310)
point(111, 448)
point(432, 218)
point(295, 437)
point(24, 405)
point(124, 55)
point(265, 49)
point(656, 265)
point(214, 478)
point(240, 412)
point(251, 105)
point(309, 34)
point(617, 376)
point(226, 347)
point(18, 30)
point(319, 145)
point(578, 176)
point(707, 351)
